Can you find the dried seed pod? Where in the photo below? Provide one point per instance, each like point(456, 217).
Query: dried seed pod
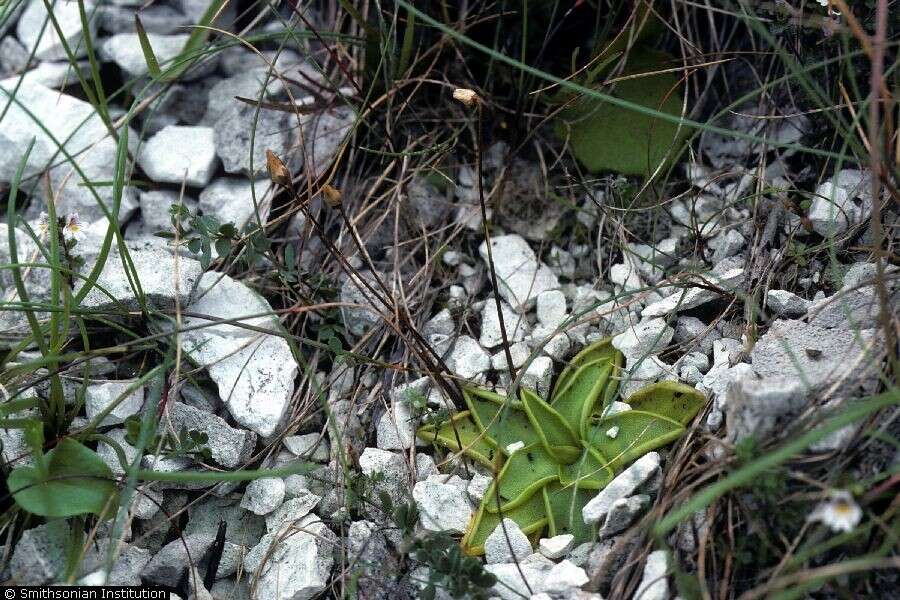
point(466, 96)
point(332, 195)
point(278, 172)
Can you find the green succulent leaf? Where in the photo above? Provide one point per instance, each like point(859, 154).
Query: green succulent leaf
point(570, 449)
point(461, 434)
point(503, 421)
point(564, 504)
point(557, 437)
point(525, 472)
point(531, 516)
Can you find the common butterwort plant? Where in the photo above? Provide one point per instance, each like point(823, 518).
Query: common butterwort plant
point(551, 457)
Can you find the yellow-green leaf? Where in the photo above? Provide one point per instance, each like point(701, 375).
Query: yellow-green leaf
point(558, 439)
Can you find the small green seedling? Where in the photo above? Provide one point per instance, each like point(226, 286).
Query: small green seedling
point(551, 458)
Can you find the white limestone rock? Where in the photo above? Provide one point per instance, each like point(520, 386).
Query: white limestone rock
point(491, 336)
point(520, 275)
point(468, 359)
point(71, 121)
point(786, 304)
point(101, 395)
point(254, 371)
point(180, 153)
point(230, 200)
point(654, 585)
point(49, 43)
point(442, 506)
point(557, 546)
point(293, 566)
point(264, 495)
point(623, 486)
point(229, 446)
point(506, 544)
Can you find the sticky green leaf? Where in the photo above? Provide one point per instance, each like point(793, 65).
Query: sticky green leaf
point(606, 137)
point(77, 482)
point(569, 451)
point(557, 438)
point(460, 429)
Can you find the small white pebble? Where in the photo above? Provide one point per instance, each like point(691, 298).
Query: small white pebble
point(514, 447)
point(613, 431)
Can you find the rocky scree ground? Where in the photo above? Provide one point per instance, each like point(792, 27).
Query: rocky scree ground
point(674, 301)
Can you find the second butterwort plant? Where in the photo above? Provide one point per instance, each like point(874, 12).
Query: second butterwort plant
point(551, 457)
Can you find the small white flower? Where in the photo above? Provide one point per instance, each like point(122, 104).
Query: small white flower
point(823, 2)
point(613, 431)
point(840, 512)
point(512, 448)
point(74, 228)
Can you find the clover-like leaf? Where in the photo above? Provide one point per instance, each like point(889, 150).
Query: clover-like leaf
point(563, 450)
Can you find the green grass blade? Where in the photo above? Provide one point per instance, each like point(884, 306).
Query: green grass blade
point(146, 48)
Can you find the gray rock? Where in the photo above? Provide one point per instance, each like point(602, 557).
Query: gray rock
point(519, 353)
point(555, 345)
point(126, 569)
point(623, 513)
point(13, 56)
point(478, 486)
point(516, 325)
point(692, 296)
point(564, 578)
point(239, 127)
point(818, 357)
point(195, 9)
point(395, 476)
point(254, 371)
point(264, 495)
point(538, 375)
point(229, 447)
point(851, 309)
point(171, 563)
point(396, 427)
point(786, 304)
point(716, 383)
point(242, 527)
point(177, 105)
point(291, 511)
point(156, 269)
point(429, 206)
point(156, 18)
point(510, 583)
point(442, 506)
point(623, 486)
point(255, 84)
point(354, 291)
point(39, 556)
point(654, 585)
point(323, 135)
point(755, 407)
point(506, 544)
point(178, 153)
point(75, 192)
point(726, 244)
point(551, 308)
point(55, 75)
point(642, 340)
point(155, 207)
point(367, 548)
point(468, 359)
point(71, 121)
point(294, 566)
point(519, 274)
point(440, 324)
point(49, 44)
point(124, 49)
point(841, 203)
point(100, 396)
point(311, 446)
point(557, 546)
point(691, 331)
point(231, 200)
